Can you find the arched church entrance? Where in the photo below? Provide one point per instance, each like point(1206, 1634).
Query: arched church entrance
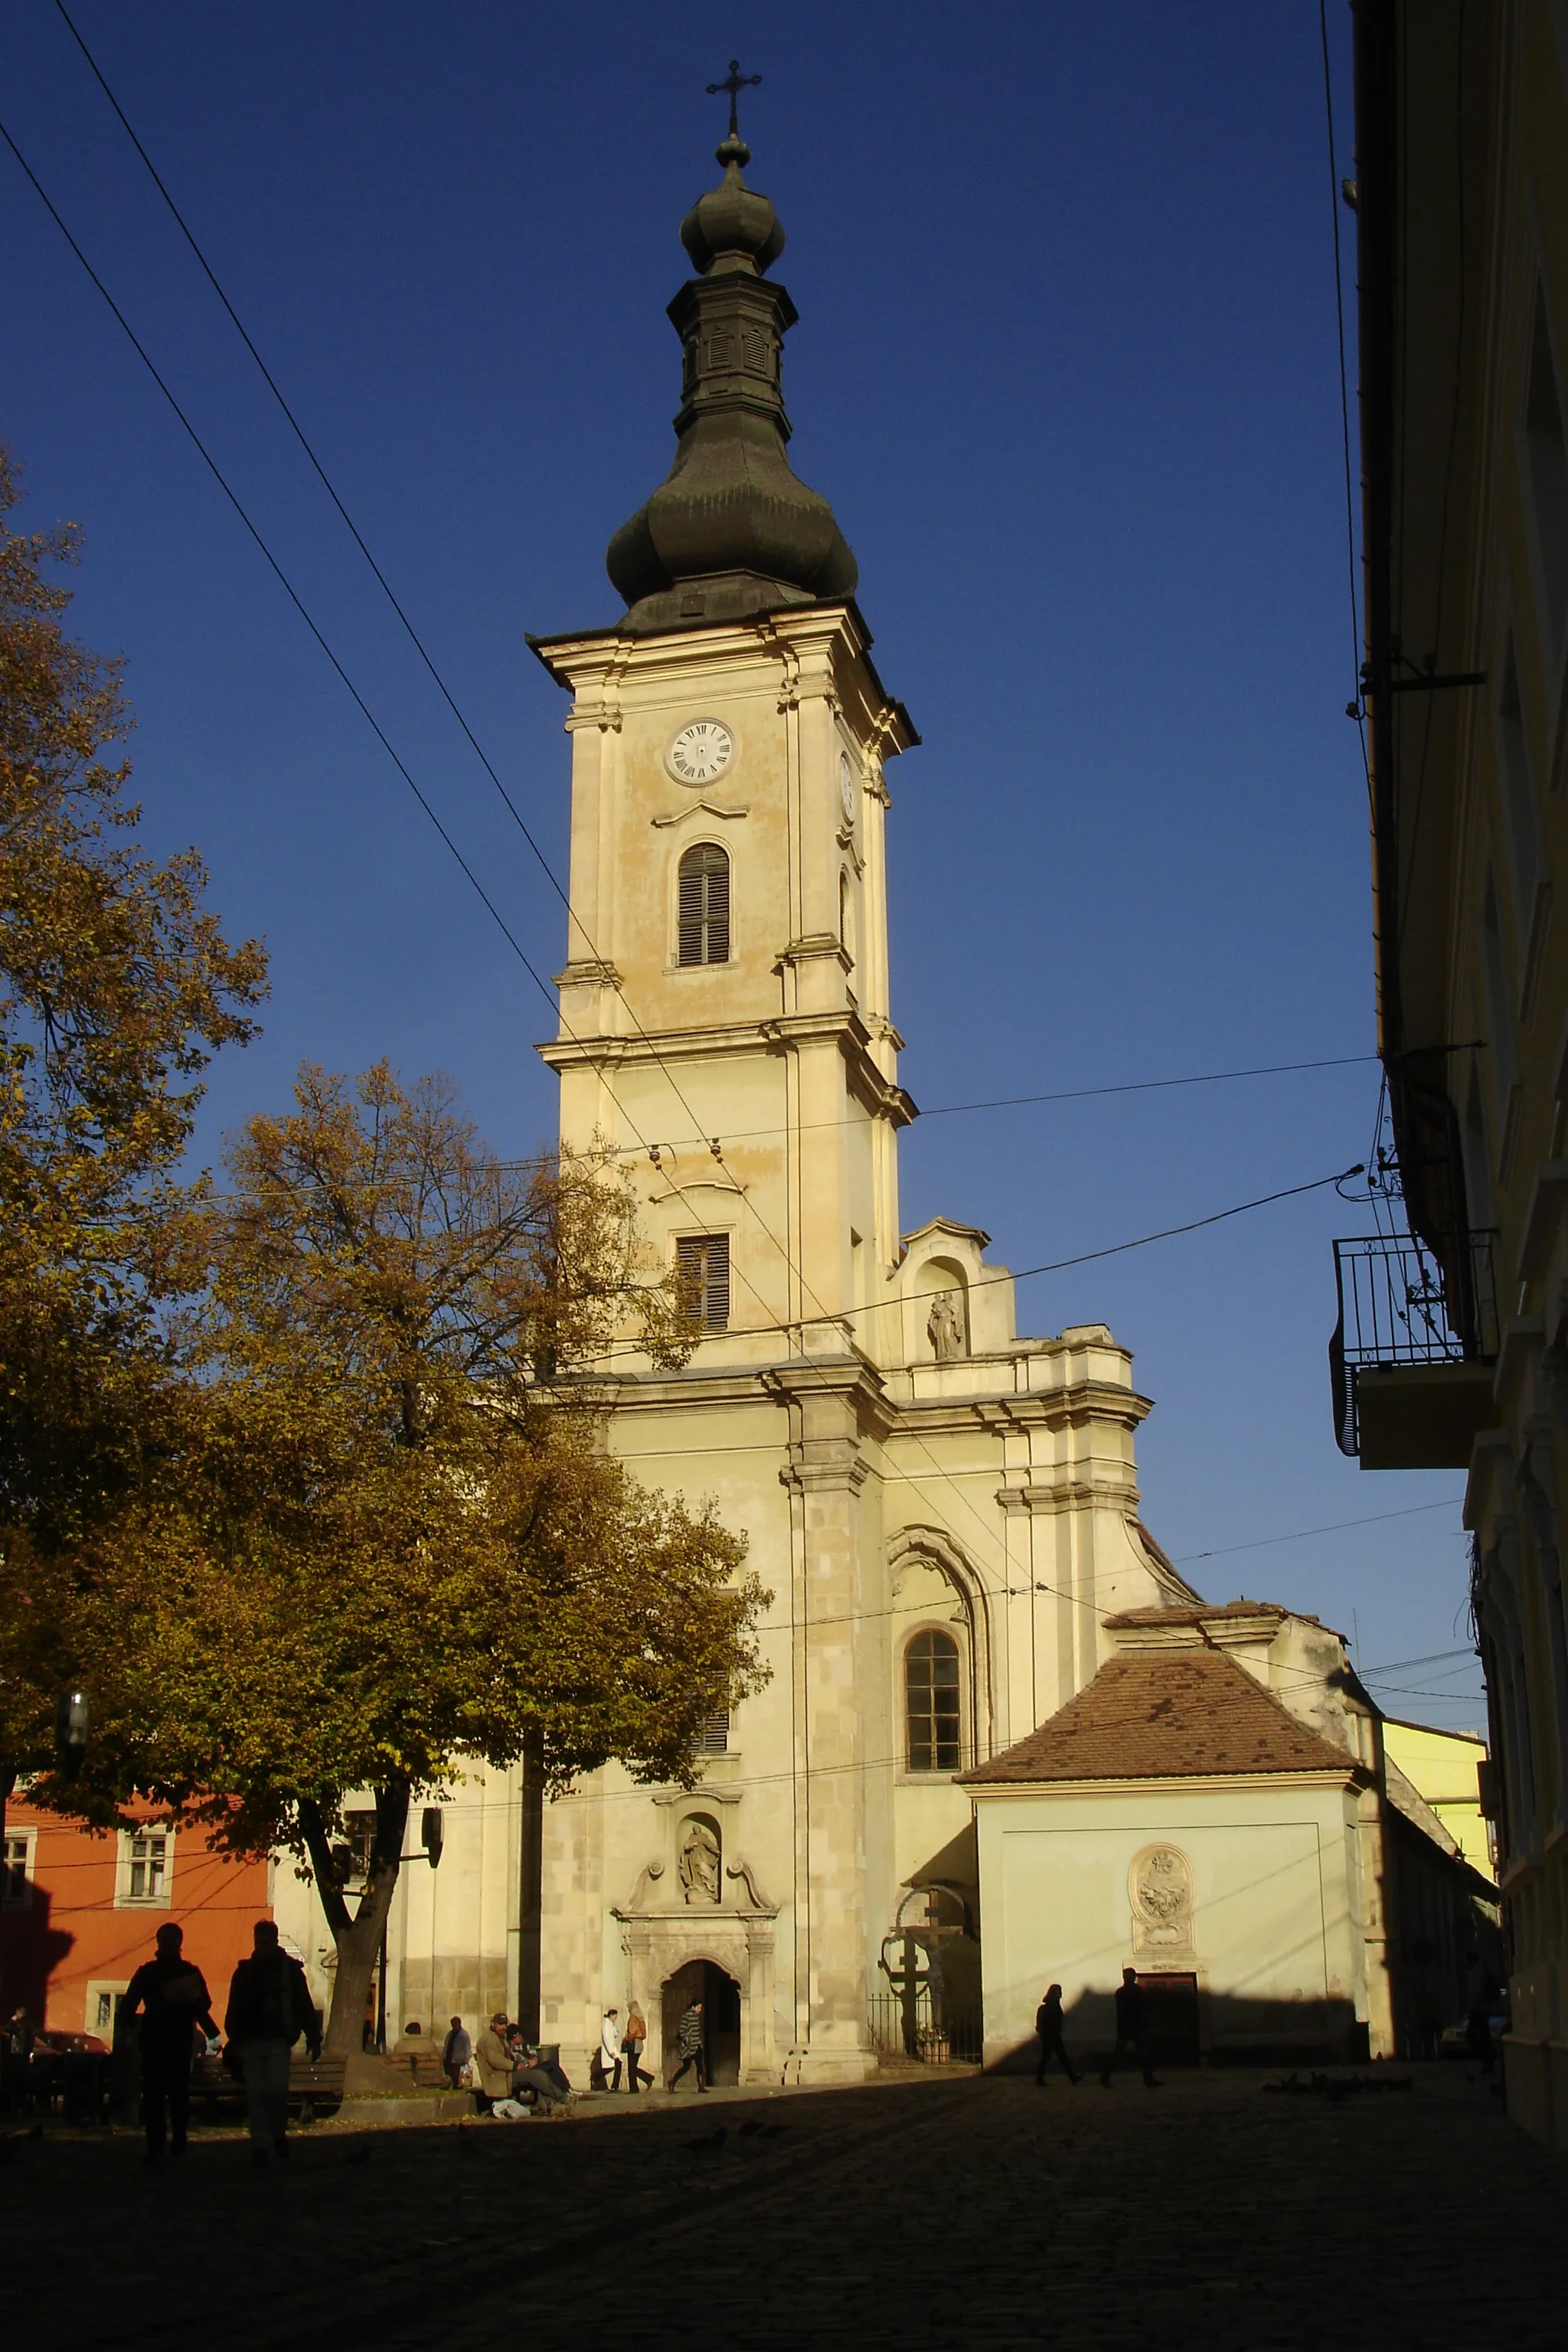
point(704, 1981)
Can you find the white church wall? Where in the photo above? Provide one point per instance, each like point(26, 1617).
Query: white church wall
point(1272, 1940)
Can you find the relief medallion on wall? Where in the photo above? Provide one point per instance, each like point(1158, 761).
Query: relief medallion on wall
point(1160, 1886)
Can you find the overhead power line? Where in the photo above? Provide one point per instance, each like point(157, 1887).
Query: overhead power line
point(796, 1271)
point(323, 476)
point(297, 600)
point(1335, 1527)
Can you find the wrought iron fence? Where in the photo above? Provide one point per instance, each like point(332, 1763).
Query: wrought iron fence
point(906, 2031)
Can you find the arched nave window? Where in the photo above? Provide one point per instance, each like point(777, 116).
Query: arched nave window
point(932, 1709)
point(703, 923)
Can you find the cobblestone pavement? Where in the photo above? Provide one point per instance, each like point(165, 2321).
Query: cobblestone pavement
point(1211, 2212)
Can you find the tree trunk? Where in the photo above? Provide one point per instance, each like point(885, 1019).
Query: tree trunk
point(357, 1935)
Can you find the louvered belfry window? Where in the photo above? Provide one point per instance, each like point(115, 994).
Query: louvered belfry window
point(703, 1261)
point(704, 921)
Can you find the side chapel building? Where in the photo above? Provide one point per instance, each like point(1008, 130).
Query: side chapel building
point(945, 1512)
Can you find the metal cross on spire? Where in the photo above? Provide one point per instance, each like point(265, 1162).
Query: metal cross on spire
point(736, 82)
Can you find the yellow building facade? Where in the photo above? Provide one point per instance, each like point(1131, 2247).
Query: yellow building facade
point(1452, 1349)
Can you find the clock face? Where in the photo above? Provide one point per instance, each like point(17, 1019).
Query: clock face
point(845, 788)
point(700, 752)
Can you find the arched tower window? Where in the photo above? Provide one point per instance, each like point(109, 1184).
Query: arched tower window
point(931, 1713)
point(703, 924)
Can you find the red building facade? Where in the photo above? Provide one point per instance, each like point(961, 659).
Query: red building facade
point(80, 1909)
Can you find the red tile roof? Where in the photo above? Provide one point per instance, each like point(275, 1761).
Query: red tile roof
point(1162, 1714)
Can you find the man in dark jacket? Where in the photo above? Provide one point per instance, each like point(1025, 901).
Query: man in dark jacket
point(1132, 2029)
point(172, 1998)
point(269, 2007)
point(1048, 2026)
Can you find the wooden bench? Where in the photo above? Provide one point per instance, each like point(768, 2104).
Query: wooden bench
point(315, 2086)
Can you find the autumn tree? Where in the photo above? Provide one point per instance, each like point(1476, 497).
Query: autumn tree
point(116, 987)
point(388, 1538)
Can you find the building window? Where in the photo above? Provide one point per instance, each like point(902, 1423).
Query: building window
point(714, 1739)
point(703, 1263)
point(145, 1857)
point(103, 2007)
point(931, 1702)
point(15, 1877)
point(704, 909)
point(1546, 447)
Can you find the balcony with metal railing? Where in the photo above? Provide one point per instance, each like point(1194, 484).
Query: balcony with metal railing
point(1413, 1350)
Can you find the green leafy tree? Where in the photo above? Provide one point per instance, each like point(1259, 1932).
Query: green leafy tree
point(382, 1544)
point(116, 987)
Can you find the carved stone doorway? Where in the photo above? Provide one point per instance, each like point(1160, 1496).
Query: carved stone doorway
point(721, 1998)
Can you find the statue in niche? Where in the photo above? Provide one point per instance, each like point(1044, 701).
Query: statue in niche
point(699, 1863)
point(945, 1327)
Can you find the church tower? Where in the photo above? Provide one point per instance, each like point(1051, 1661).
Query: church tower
point(944, 1514)
point(727, 976)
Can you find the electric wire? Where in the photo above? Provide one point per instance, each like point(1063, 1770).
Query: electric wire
point(296, 600)
point(323, 476)
point(793, 1269)
point(1334, 199)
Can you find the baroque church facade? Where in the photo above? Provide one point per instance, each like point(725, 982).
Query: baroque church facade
point(943, 1511)
point(985, 1679)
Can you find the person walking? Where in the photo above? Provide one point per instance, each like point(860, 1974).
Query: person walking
point(1480, 1992)
point(457, 2053)
point(1048, 2026)
point(688, 2041)
point(632, 2042)
point(610, 2048)
point(269, 2007)
point(172, 1998)
point(1132, 2030)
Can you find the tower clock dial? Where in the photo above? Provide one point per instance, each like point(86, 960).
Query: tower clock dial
point(701, 753)
point(845, 788)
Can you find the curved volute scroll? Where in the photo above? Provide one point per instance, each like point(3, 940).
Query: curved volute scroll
point(732, 531)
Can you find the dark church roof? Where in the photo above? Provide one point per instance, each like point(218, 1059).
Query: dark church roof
point(732, 530)
point(1153, 1715)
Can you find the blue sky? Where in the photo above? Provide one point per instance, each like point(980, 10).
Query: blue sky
point(1067, 367)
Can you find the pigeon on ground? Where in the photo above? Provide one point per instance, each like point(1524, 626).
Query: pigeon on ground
point(709, 2141)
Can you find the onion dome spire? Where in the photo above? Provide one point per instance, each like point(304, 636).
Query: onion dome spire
point(731, 531)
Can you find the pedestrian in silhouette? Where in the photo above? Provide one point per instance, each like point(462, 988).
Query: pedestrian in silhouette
point(269, 2007)
point(1132, 2029)
point(688, 2041)
point(172, 1998)
point(1048, 2026)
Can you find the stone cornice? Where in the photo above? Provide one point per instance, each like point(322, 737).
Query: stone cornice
point(593, 663)
point(1118, 1494)
point(1200, 1783)
point(876, 1093)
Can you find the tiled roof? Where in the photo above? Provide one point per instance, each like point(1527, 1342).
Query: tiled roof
point(1164, 1714)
